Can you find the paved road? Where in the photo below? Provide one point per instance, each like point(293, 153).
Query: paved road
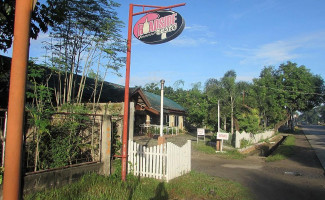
point(316, 137)
point(301, 177)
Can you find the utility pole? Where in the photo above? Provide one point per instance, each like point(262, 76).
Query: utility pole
point(218, 116)
point(16, 104)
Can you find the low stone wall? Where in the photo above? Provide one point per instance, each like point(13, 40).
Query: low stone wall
point(57, 177)
point(54, 178)
point(252, 138)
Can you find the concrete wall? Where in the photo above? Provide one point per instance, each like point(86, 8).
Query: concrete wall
point(252, 138)
point(58, 177)
point(55, 178)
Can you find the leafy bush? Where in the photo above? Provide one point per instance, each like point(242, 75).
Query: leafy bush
point(249, 121)
point(244, 143)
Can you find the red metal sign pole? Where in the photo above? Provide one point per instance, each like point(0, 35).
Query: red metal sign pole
point(127, 78)
point(126, 95)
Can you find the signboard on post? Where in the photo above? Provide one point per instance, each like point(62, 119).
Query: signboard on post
point(200, 132)
point(222, 136)
point(159, 27)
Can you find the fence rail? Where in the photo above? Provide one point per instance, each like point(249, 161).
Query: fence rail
point(165, 161)
point(156, 129)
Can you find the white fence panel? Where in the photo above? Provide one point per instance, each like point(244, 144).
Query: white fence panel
point(166, 161)
point(178, 160)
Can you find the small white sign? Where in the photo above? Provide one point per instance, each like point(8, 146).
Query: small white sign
point(222, 136)
point(201, 132)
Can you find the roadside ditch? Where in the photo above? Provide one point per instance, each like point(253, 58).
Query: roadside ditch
point(264, 149)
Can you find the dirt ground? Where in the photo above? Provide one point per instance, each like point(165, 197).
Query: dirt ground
point(299, 177)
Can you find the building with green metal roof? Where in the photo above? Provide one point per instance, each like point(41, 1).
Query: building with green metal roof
point(147, 111)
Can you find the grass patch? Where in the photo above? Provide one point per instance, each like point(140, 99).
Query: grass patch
point(285, 150)
point(193, 185)
point(232, 154)
point(202, 147)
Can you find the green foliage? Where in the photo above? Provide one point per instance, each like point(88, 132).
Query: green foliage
point(60, 148)
point(202, 147)
point(1, 174)
point(40, 111)
point(197, 106)
point(117, 167)
point(87, 42)
point(249, 121)
point(116, 140)
point(244, 143)
point(266, 103)
point(193, 185)
point(40, 20)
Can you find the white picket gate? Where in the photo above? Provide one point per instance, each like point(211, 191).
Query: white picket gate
point(166, 161)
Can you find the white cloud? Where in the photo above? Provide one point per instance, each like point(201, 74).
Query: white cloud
point(195, 35)
point(188, 41)
point(245, 78)
point(279, 51)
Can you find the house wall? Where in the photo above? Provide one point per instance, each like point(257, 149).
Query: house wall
point(172, 120)
point(181, 122)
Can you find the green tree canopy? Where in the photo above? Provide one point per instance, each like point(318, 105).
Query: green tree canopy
point(43, 15)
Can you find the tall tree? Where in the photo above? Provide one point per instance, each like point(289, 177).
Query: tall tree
point(43, 15)
point(89, 37)
point(215, 92)
point(229, 84)
point(266, 93)
point(300, 89)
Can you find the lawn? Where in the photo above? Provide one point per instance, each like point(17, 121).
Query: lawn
point(228, 154)
point(193, 185)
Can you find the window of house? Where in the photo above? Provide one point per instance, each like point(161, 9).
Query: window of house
point(166, 121)
point(176, 120)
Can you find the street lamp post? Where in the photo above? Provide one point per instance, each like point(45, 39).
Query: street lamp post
point(162, 108)
point(161, 138)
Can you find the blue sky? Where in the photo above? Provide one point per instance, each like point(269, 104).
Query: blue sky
point(222, 35)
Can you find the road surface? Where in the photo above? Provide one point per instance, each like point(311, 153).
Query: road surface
point(316, 137)
point(301, 177)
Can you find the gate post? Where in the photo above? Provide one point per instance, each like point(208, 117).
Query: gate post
point(106, 145)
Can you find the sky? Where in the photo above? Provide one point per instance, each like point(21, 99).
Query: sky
point(223, 35)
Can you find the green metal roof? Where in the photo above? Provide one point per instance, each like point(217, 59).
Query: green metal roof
point(169, 104)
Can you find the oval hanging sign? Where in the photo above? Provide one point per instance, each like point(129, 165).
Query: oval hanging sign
point(159, 27)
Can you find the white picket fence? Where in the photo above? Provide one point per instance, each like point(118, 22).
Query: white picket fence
point(166, 161)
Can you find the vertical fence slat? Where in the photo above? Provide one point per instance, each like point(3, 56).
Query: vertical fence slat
point(137, 159)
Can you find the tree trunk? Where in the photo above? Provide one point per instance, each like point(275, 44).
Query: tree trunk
point(232, 115)
point(36, 150)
